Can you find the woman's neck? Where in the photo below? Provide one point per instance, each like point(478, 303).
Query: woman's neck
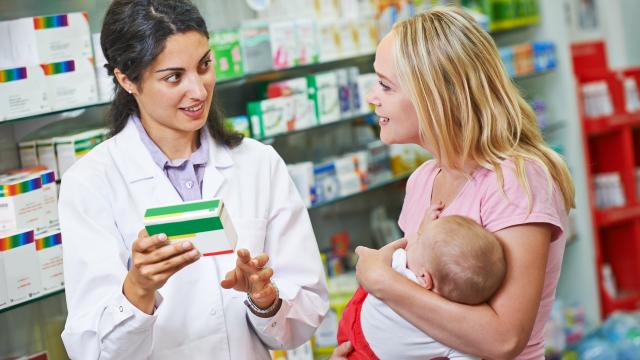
point(173, 143)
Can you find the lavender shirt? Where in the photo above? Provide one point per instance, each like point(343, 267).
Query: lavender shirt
point(185, 174)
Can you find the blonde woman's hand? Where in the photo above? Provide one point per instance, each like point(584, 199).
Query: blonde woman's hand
point(374, 265)
point(153, 262)
point(253, 277)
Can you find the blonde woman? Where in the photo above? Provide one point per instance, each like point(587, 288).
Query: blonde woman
point(442, 86)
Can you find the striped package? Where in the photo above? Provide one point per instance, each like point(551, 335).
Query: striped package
point(22, 92)
point(19, 260)
point(21, 203)
point(205, 223)
point(49, 250)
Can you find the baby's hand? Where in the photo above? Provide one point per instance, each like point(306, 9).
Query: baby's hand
point(434, 211)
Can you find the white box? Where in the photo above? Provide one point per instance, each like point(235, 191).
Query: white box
point(6, 55)
point(323, 90)
point(22, 92)
point(366, 82)
point(49, 250)
point(70, 83)
point(283, 44)
point(270, 117)
point(308, 51)
point(45, 148)
point(28, 153)
point(329, 42)
point(302, 176)
point(21, 200)
point(205, 223)
point(4, 296)
point(49, 199)
point(22, 273)
point(71, 148)
point(106, 87)
point(49, 39)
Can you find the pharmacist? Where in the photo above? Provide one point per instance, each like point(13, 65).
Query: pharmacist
point(131, 296)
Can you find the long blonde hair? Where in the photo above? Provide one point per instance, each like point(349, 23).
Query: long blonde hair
point(468, 107)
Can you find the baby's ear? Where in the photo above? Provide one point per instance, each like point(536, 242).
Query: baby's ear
point(425, 280)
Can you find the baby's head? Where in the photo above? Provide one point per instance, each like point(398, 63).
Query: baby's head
point(458, 259)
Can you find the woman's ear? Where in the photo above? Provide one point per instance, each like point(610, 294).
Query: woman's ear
point(124, 81)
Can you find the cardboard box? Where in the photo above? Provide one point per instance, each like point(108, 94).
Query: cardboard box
point(255, 43)
point(48, 39)
point(270, 117)
point(106, 87)
point(21, 203)
point(284, 49)
point(69, 149)
point(205, 223)
point(225, 46)
point(46, 150)
point(49, 250)
point(323, 90)
point(22, 92)
point(22, 273)
point(70, 83)
point(28, 154)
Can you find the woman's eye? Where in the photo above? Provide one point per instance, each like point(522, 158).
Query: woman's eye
point(206, 63)
point(383, 86)
point(172, 78)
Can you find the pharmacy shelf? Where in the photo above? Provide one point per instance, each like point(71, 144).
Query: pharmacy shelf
point(372, 187)
point(32, 300)
point(603, 124)
point(57, 112)
point(269, 75)
point(296, 71)
point(629, 301)
point(513, 24)
point(344, 119)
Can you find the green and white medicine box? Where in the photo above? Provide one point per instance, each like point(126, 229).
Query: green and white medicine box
point(205, 223)
point(228, 54)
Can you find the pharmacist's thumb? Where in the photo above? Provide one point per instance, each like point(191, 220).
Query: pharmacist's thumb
point(229, 280)
point(342, 351)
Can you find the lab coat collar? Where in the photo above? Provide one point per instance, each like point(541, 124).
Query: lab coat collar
point(139, 166)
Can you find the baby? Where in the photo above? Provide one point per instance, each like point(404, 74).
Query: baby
point(452, 256)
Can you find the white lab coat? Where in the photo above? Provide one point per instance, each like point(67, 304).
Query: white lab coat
point(102, 201)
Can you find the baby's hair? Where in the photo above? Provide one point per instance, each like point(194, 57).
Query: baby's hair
point(467, 262)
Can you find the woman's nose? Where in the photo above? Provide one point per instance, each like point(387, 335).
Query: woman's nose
point(372, 98)
point(197, 90)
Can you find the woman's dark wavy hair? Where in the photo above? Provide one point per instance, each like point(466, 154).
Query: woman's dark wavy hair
point(134, 33)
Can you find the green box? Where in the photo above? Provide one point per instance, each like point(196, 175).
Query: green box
point(225, 46)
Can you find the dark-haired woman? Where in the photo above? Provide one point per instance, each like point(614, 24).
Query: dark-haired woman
point(131, 296)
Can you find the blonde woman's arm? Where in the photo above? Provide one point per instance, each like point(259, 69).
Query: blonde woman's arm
point(498, 330)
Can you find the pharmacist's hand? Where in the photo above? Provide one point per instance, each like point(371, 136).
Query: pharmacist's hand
point(342, 351)
point(374, 265)
point(153, 262)
point(253, 277)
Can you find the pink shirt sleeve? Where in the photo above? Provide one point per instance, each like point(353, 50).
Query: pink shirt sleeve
point(501, 209)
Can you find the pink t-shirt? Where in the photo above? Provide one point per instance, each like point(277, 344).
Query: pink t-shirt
point(482, 200)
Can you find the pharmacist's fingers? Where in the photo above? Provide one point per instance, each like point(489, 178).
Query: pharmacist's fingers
point(230, 280)
point(262, 277)
point(342, 351)
point(260, 261)
point(244, 256)
point(149, 243)
point(166, 252)
point(267, 292)
point(177, 261)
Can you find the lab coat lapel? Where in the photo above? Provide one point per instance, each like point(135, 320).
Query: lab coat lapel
point(148, 185)
point(219, 158)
